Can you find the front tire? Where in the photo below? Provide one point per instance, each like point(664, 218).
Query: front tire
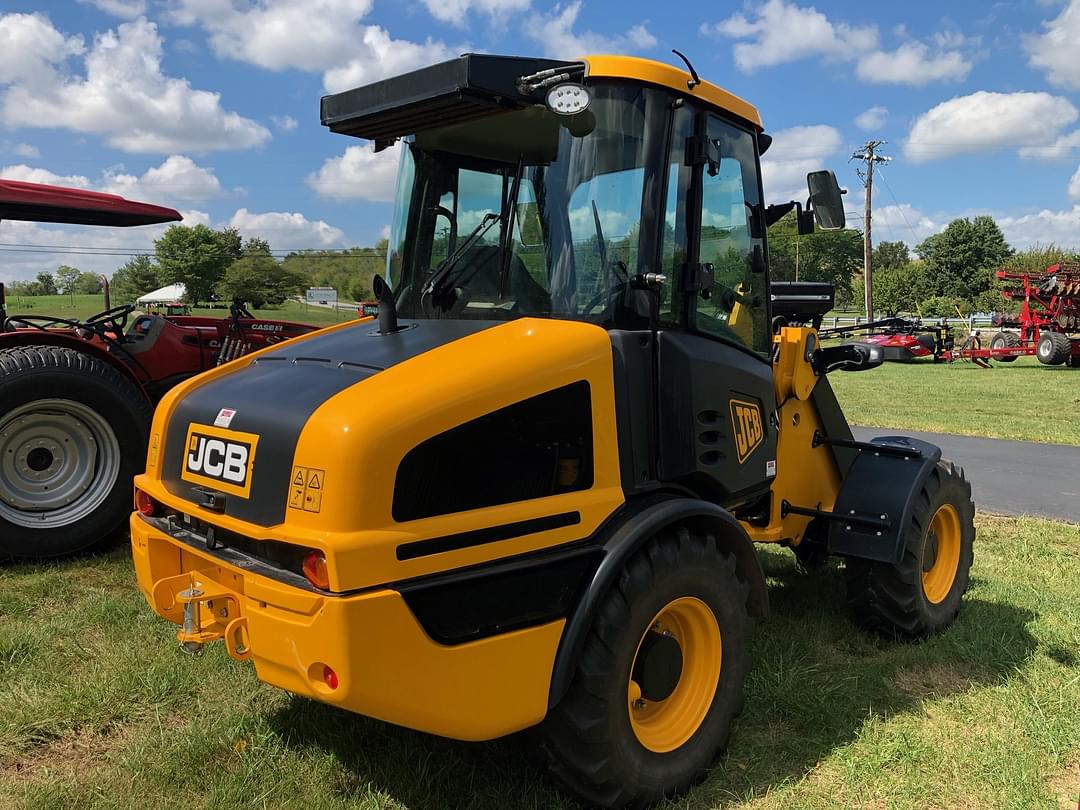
point(1005, 340)
point(660, 678)
point(921, 594)
point(73, 434)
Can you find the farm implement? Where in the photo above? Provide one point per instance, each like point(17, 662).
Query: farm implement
point(76, 396)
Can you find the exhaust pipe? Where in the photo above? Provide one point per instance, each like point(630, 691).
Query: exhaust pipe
point(388, 322)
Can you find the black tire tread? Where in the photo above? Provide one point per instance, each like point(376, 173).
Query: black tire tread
point(574, 738)
point(888, 599)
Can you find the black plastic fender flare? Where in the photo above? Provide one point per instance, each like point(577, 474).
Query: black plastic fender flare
point(623, 536)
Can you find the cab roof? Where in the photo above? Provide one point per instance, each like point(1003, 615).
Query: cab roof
point(478, 85)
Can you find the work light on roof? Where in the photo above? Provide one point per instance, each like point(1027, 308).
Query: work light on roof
point(567, 99)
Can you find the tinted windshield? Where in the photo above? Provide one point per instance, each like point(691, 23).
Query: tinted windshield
point(531, 213)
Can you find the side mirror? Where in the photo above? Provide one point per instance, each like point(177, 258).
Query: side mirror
point(826, 200)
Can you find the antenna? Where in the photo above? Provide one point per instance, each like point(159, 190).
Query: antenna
point(693, 81)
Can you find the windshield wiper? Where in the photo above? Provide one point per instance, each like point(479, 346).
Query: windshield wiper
point(436, 284)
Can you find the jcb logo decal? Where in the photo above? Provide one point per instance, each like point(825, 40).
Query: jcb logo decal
point(746, 427)
point(221, 459)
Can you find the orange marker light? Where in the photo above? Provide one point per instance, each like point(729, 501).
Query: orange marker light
point(315, 570)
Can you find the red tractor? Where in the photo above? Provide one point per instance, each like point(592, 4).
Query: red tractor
point(76, 396)
point(1049, 313)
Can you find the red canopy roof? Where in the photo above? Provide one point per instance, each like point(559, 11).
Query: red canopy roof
point(37, 202)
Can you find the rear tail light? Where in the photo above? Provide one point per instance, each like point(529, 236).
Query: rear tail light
point(316, 572)
point(146, 505)
point(330, 677)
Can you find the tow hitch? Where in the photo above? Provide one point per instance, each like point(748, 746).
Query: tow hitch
point(210, 612)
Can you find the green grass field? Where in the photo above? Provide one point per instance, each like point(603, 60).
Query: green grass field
point(76, 307)
point(1020, 400)
point(102, 710)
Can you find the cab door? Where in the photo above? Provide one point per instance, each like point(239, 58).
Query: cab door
point(715, 393)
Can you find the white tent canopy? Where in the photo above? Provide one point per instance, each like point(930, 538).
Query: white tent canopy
point(166, 295)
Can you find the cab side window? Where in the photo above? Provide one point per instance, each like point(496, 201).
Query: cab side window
point(737, 309)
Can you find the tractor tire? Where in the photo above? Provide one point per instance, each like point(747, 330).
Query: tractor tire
point(660, 679)
point(1054, 348)
point(1005, 340)
point(73, 433)
point(921, 594)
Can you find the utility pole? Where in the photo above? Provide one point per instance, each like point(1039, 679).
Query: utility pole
point(868, 155)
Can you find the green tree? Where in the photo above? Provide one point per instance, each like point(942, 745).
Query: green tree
point(87, 284)
point(830, 256)
point(46, 284)
point(66, 276)
point(961, 260)
point(889, 256)
point(196, 257)
point(895, 289)
point(259, 280)
point(137, 277)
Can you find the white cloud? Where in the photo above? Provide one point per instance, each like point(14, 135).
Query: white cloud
point(29, 174)
point(287, 231)
point(555, 33)
point(26, 150)
point(1055, 51)
point(455, 11)
point(985, 121)
point(904, 223)
point(1061, 149)
point(360, 173)
point(178, 178)
point(1061, 228)
point(313, 35)
point(794, 153)
point(285, 123)
point(779, 31)
point(382, 57)
point(30, 46)
point(874, 118)
point(912, 63)
point(126, 9)
point(1074, 185)
point(124, 97)
point(784, 32)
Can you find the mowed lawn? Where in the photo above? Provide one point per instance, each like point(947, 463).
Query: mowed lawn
point(1021, 400)
point(100, 708)
point(78, 307)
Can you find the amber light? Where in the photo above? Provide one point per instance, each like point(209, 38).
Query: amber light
point(329, 677)
point(146, 505)
point(316, 572)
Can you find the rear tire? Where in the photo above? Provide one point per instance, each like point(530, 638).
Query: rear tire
point(920, 595)
point(614, 741)
point(1005, 340)
point(1054, 348)
point(73, 433)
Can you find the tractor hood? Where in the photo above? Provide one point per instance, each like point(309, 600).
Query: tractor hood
point(253, 418)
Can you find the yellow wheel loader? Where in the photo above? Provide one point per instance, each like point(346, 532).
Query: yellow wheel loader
point(526, 496)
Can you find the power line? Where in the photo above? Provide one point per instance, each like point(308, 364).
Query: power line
point(899, 207)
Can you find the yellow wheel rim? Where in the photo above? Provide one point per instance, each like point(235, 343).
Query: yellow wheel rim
point(664, 725)
point(941, 553)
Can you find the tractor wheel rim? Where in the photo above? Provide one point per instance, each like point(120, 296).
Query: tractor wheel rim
point(664, 725)
point(59, 460)
point(943, 543)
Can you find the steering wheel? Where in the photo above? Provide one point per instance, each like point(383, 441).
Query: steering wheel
point(613, 292)
point(113, 319)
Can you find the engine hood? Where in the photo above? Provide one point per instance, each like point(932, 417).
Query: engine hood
point(236, 435)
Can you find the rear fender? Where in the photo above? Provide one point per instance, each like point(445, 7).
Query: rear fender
point(36, 337)
point(622, 537)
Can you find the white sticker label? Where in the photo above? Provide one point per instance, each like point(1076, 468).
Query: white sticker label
point(770, 469)
point(224, 417)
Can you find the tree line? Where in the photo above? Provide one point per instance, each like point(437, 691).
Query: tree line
point(219, 265)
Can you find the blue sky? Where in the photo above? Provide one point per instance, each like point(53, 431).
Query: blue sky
point(212, 107)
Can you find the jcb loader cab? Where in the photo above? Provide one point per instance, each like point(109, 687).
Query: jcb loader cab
point(526, 496)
